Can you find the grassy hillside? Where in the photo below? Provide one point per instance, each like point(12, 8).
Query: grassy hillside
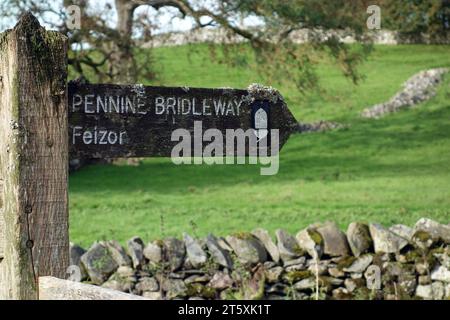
point(393, 170)
point(387, 69)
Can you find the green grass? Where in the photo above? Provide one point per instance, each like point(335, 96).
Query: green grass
point(393, 170)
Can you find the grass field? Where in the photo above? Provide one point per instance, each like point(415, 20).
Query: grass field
point(392, 170)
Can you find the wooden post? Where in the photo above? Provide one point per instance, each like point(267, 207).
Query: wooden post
point(33, 158)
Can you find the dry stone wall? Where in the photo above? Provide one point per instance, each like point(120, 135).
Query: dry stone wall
point(419, 88)
point(368, 261)
point(218, 36)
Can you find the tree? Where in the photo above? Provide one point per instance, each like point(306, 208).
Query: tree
point(112, 52)
point(416, 18)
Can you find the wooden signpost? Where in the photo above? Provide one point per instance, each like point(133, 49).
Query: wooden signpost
point(33, 158)
point(41, 120)
point(107, 121)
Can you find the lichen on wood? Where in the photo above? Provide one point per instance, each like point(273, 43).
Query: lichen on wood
point(260, 92)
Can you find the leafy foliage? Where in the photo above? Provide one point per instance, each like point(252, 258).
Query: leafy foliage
point(414, 17)
point(110, 36)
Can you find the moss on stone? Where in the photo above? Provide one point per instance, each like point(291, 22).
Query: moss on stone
point(243, 235)
point(159, 243)
point(439, 250)
point(315, 236)
point(248, 292)
point(298, 250)
point(260, 293)
point(361, 294)
point(378, 259)
point(294, 276)
point(364, 232)
point(326, 283)
point(231, 294)
point(199, 290)
point(412, 256)
point(345, 262)
point(343, 296)
point(431, 260)
point(102, 261)
point(422, 236)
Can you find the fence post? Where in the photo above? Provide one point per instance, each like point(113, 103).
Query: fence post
point(33, 158)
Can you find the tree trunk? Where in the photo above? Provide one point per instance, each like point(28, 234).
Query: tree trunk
point(123, 60)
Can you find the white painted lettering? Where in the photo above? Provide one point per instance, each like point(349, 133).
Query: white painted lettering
point(88, 103)
point(159, 105)
point(77, 101)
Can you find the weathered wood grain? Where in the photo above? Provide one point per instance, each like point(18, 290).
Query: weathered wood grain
point(2, 224)
point(33, 157)
point(145, 117)
point(51, 288)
